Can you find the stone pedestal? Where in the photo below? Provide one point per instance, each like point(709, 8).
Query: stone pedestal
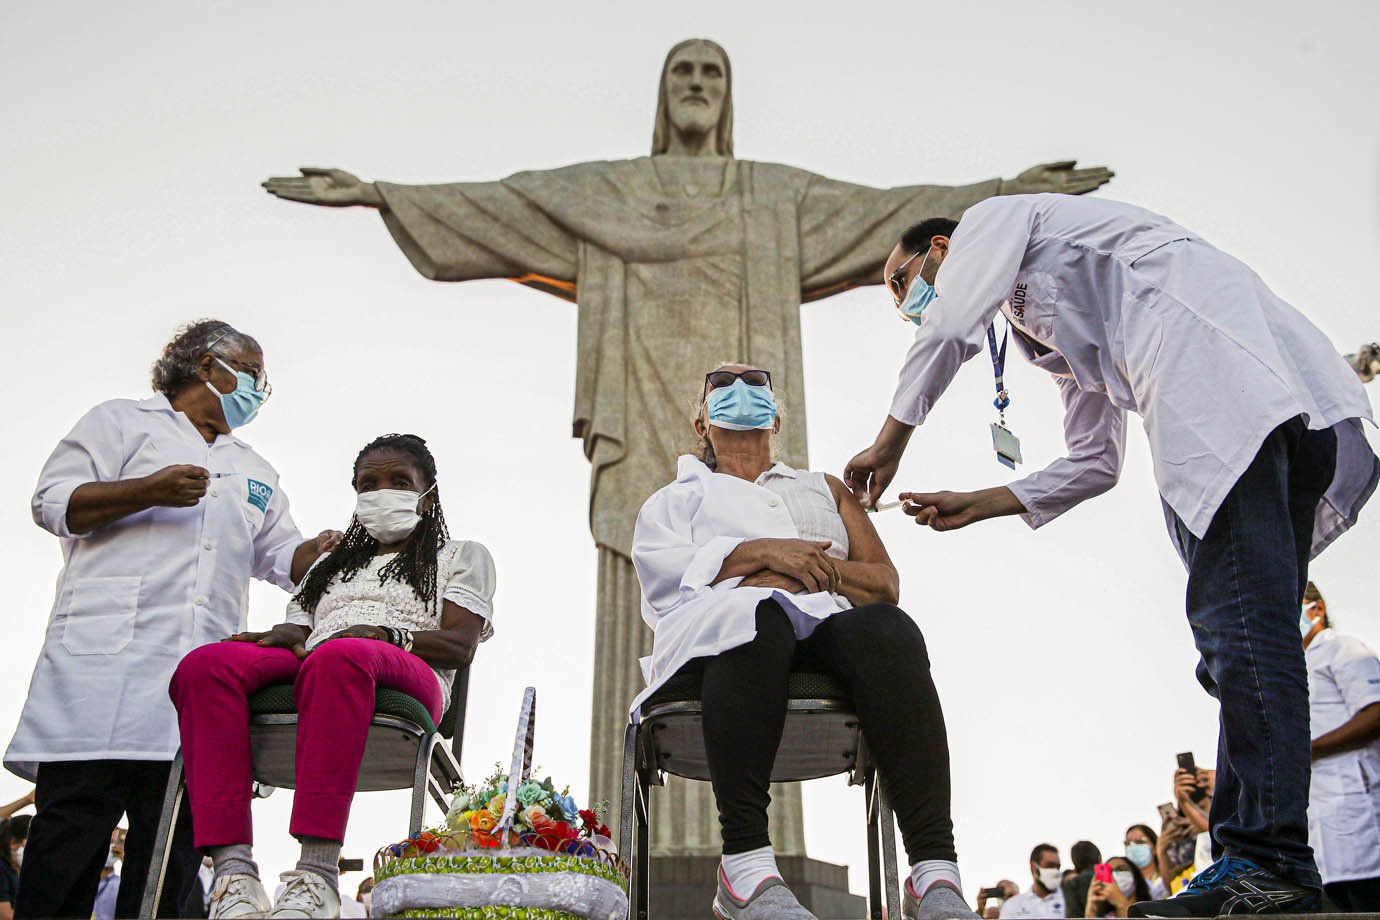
point(683, 887)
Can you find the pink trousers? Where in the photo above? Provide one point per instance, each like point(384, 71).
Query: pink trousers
point(334, 690)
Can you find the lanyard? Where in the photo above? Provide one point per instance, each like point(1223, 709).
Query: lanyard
point(999, 367)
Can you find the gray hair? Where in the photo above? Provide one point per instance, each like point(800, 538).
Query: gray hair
point(179, 363)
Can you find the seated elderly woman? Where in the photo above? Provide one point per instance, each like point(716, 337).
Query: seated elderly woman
point(750, 568)
point(399, 605)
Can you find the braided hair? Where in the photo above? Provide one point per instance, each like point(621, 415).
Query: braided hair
point(414, 564)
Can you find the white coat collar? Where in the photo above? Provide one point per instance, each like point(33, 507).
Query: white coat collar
point(158, 402)
point(1326, 635)
point(690, 467)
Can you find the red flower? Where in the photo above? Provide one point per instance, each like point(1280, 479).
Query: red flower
point(565, 831)
point(590, 819)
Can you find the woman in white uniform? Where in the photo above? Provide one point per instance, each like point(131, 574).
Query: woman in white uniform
point(163, 515)
point(1254, 422)
point(1344, 797)
point(750, 569)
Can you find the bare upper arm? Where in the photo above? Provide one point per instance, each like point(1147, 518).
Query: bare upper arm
point(455, 618)
point(864, 545)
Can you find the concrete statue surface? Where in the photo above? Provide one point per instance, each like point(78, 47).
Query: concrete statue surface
point(676, 261)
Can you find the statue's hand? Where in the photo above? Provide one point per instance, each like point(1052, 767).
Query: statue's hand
point(334, 188)
point(1057, 177)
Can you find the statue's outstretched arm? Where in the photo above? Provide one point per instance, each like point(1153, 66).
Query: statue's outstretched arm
point(333, 188)
point(1059, 177)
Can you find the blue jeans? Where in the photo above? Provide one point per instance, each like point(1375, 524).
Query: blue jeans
point(1246, 578)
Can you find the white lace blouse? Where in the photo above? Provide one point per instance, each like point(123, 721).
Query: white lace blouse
point(464, 576)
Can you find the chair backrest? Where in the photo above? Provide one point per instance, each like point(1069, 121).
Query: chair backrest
point(452, 724)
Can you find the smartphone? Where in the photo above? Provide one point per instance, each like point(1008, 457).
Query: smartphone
point(1169, 811)
point(1102, 872)
point(351, 865)
point(1186, 762)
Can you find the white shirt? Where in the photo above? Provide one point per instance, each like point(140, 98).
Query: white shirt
point(464, 573)
point(1132, 312)
point(136, 595)
point(684, 533)
point(1030, 904)
point(1344, 797)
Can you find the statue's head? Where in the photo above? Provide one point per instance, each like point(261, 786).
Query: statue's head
point(696, 96)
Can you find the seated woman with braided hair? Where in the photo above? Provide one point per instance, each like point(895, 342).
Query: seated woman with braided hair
point(399, 605)
point(751, 569)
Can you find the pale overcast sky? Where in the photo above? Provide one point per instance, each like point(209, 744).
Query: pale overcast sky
point(135, 136)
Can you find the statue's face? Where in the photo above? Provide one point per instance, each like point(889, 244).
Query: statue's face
point(695, 88)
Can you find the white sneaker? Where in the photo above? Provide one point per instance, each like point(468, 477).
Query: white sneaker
point(238, 895)
point(306, 895)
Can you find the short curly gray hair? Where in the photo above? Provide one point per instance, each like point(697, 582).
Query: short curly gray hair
point(177, 366)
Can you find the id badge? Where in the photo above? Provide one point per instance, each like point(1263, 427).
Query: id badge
point(1007, 446)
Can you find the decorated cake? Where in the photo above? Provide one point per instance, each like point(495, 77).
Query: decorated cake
point(511, 847)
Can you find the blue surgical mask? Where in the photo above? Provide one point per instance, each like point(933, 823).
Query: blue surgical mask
point(1305, 624)
point(918, 297)
point(242, 403)
point(741, 407)
point(1139, 854)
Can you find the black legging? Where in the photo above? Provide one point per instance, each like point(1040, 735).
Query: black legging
point(878, 654)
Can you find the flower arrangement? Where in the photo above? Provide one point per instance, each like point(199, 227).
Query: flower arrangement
point(543, 818)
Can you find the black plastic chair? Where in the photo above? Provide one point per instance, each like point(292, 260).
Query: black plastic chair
point(404, 750)
point(821, 738)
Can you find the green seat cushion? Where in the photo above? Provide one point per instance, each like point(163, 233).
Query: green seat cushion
point(803, 685)
point(277, 700)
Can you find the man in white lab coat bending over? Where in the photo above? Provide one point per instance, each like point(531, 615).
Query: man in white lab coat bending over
point(1344, 801)
point(164, 516)
point(1254, 426)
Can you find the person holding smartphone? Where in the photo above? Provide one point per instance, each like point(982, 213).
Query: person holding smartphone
point(1116, 885)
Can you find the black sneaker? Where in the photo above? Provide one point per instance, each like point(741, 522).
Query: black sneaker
point(1233, 886)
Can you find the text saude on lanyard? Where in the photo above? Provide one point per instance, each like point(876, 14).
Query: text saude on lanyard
point(1006, 444)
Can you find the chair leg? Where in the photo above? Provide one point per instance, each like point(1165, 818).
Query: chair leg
point(627, 795)
point(888, 829)
point(874, 870)
point(162, 841)
point(643, 872)
point(419, 784)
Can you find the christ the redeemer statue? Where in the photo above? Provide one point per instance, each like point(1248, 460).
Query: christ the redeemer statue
point(676, 261)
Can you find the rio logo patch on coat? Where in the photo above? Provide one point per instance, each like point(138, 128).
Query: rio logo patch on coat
point(259, 494)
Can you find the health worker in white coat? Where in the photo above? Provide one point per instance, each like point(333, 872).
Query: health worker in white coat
point(1344, 800)
point(163, 516)
point(751, 569)
point(1254, 426)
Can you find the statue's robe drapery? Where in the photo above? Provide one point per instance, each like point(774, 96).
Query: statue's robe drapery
point(676, 264)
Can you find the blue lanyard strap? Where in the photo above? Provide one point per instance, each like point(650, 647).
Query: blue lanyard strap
point(999, 365)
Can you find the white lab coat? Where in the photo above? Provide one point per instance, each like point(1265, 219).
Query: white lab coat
point(1344, 797)
point(683, 534)
point(138, 594)
point(1132, 312)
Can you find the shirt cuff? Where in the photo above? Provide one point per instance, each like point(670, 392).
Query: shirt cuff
point(1034, 516)
point(56, 499)
point(708, 561)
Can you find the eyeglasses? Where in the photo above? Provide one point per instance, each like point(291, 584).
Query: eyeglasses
point(261, 384)
point(897, 283)
point(716, 379)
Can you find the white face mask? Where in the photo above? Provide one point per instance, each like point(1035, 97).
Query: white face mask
point(367, 899)
point(18, 856)
point(1125, 881)
point(1050, 878)
point(389, 515)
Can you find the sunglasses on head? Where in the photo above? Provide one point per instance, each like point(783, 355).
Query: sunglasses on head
point(753, 378)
